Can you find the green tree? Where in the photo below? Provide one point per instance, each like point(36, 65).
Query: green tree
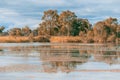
point(80, 25)
point(1, 29)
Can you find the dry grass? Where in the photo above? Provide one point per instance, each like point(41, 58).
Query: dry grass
point(65, 39)
point(60, 39)
point(77, 39)
point(11, 39)
point(22, 39)
point(41, 39)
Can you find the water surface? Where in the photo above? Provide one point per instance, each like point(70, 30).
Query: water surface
point(54, 61)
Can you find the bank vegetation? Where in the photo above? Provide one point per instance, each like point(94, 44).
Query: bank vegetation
point(65, 27)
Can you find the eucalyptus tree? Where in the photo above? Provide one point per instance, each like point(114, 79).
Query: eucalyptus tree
point(106, 29)
point(26, 31)
point(49, 25)
point(15, 32)
point(79, 25)
point(65, 20)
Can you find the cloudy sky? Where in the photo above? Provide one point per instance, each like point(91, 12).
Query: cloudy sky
point(17, 13)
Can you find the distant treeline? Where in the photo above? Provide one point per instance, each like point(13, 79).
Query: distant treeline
point(68, 24)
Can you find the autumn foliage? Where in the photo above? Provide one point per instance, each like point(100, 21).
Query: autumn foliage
point(66, 27)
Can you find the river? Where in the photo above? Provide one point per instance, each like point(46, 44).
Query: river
point(59, 61)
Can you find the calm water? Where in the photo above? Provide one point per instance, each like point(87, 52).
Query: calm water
point(67, 61)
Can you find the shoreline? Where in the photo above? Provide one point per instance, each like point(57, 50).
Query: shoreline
point(52, 39)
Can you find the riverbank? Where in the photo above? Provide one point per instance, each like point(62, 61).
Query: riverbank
point(79, 39)
point(12, 39)
point(22, 39)
point(52, 39)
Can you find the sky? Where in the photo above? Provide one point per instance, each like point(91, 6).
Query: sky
point(19, 13)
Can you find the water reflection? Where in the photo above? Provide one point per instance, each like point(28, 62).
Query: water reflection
point(66, 57)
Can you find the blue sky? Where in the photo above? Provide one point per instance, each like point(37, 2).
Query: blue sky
point(18, 13)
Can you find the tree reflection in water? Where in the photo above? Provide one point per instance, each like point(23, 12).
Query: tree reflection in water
point(66, 57)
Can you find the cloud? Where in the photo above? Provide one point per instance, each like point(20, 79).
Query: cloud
point(29, 12)
point(8, 12)
point(10, 19)
point(55, 3)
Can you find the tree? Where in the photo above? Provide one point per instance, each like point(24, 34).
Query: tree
point(90, 36)
point(105, 29)
point(1, 29)
point(65, 20)
point(111, 38)
point(43, 30)
point(80, 25)
point(50, 25)
point(15, 32)
point(35, 32)
point(26, 31)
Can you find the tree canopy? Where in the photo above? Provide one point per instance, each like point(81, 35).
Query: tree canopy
point(67, 23)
